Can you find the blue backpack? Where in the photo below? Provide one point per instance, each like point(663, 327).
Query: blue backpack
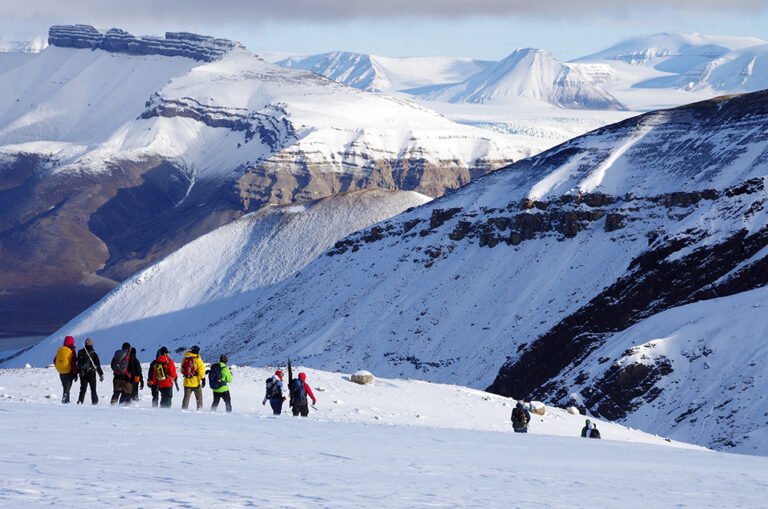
point(214, 377)
point(298, 393)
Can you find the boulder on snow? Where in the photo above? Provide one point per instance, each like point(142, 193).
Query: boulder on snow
point(362, 377)
point(573, 410)
point(537, 407)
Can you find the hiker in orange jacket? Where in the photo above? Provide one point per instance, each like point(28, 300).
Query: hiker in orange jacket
point(65, 361)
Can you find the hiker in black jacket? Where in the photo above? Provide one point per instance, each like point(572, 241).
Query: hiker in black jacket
point(138, 377)
point(122, 384)
point(88, 365)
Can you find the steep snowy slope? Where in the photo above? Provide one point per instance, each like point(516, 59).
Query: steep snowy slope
point(115, 151)
point(216, 274)
point(531, 75)
point(700, 368)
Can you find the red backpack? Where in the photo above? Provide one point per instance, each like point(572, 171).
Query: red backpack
point(189, 367)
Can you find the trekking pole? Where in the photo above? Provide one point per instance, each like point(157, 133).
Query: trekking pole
point(176, 383)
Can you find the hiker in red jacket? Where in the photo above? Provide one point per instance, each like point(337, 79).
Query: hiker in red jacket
point(65, 361)
point(299, 390)
point(163, 376)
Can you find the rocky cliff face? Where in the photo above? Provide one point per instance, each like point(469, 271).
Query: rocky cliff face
point(115, 40)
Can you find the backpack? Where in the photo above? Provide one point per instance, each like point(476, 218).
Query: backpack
point(161, 370)
point(64, 357)
point(214, 377)
point(189, 367)
point(120, 362)
point(85, 364)
point(273, 389)
point(519, 420)
point(298, 393)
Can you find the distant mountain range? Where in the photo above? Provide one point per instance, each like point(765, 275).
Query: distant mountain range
point(680, 67)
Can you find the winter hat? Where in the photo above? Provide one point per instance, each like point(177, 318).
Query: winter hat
point(163, 351)
point(588, 422)
point(195, 349)
point(223, 358)
point(279, 374)
point(303, 377)
point(127, 346)
point(69, 341)
point(88, 342)
point(519, 404)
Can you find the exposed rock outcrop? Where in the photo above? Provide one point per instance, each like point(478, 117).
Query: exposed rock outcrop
point(115, 40)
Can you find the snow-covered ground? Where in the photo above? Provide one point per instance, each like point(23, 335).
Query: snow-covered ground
point(396, 443)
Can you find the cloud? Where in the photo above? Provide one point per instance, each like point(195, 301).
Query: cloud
point(255, 12)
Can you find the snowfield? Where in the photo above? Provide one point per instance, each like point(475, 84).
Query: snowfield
point(396, 443)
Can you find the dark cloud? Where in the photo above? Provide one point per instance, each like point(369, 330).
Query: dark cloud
point(182, 12)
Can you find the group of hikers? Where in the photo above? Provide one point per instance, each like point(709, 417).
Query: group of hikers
point(162, 377)
point(521, 417)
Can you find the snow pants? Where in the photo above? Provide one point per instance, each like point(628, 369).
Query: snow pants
point(277, 406)
point(188, 391)
point(218, 396)
point(155, 395)
point(88, 380)
point(166, 396)
point(66, 385)
point(122, 389)
point(300, 409)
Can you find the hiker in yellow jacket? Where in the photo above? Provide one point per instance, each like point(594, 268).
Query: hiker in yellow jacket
point(193, 371)
point(66, 364)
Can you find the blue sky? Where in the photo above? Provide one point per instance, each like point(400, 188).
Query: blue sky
point(488, 29)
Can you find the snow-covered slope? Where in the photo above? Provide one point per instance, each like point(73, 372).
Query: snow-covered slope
point(110, 159)
point(706, 358)
point(402, 443)
point(221, 269)
point(743, 70)
point(34, 46)
point(388, 74)
point(529, 269)
point(532, 75)
point(667, 70)
point(672, 52)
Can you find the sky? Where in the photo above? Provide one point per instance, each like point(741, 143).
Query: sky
point(486, 29)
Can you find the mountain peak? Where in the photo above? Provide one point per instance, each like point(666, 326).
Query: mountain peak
point(532, 74)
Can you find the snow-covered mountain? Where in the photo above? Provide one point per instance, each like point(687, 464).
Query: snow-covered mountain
point(539, 272)
point(672, 52)
point(668, 69)
point(532, 75)
point(387, 74)
point(116, 150)
point(744, 70)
